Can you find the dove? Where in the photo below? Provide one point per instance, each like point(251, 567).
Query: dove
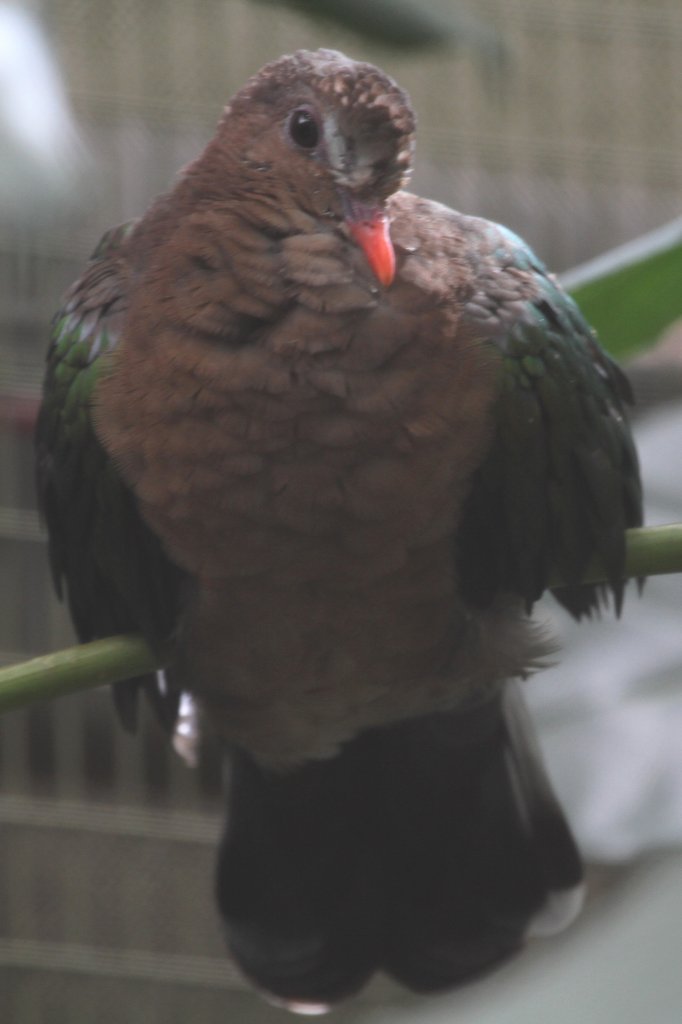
point(324, 444)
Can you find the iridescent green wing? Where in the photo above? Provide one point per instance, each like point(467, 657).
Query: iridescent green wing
point(560, 484)
point(104, 559)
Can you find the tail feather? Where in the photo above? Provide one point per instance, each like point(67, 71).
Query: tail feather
point(478, 846)
point(295, 885)
point(428, 849)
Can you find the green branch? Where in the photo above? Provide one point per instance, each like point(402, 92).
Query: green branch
point(653, 551)
point(76, 668)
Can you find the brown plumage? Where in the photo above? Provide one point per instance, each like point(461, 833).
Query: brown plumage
point(308, 414)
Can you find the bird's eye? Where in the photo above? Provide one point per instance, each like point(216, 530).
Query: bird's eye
point(303, 128)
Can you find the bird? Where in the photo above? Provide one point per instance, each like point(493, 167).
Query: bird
point(324, 443)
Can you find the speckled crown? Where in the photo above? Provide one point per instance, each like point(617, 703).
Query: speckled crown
point(363, 87)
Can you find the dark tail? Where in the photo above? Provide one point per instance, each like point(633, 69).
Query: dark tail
point(429, 849)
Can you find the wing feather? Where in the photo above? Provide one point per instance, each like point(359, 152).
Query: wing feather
point(104, 559)
point(560, 484)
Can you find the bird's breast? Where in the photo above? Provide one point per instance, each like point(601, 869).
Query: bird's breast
point(311, 489)
point(325, 451)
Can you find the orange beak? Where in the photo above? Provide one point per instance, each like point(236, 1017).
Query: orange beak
point(369, 228)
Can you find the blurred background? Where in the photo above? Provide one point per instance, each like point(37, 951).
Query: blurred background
point(561, 118)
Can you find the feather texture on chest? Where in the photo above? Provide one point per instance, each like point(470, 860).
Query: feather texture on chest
point(321, 448)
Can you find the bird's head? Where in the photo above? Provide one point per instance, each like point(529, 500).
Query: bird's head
point(331, 136)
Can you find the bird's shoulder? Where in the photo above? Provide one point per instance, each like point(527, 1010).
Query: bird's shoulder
point(483, 264)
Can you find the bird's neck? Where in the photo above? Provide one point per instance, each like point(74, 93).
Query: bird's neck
point(227, 269)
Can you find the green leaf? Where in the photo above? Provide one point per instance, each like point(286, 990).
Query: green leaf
point(632, 293)
point(405, 24)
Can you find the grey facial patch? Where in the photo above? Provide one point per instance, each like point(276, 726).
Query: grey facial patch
point(337, 146)
point(353, 161)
